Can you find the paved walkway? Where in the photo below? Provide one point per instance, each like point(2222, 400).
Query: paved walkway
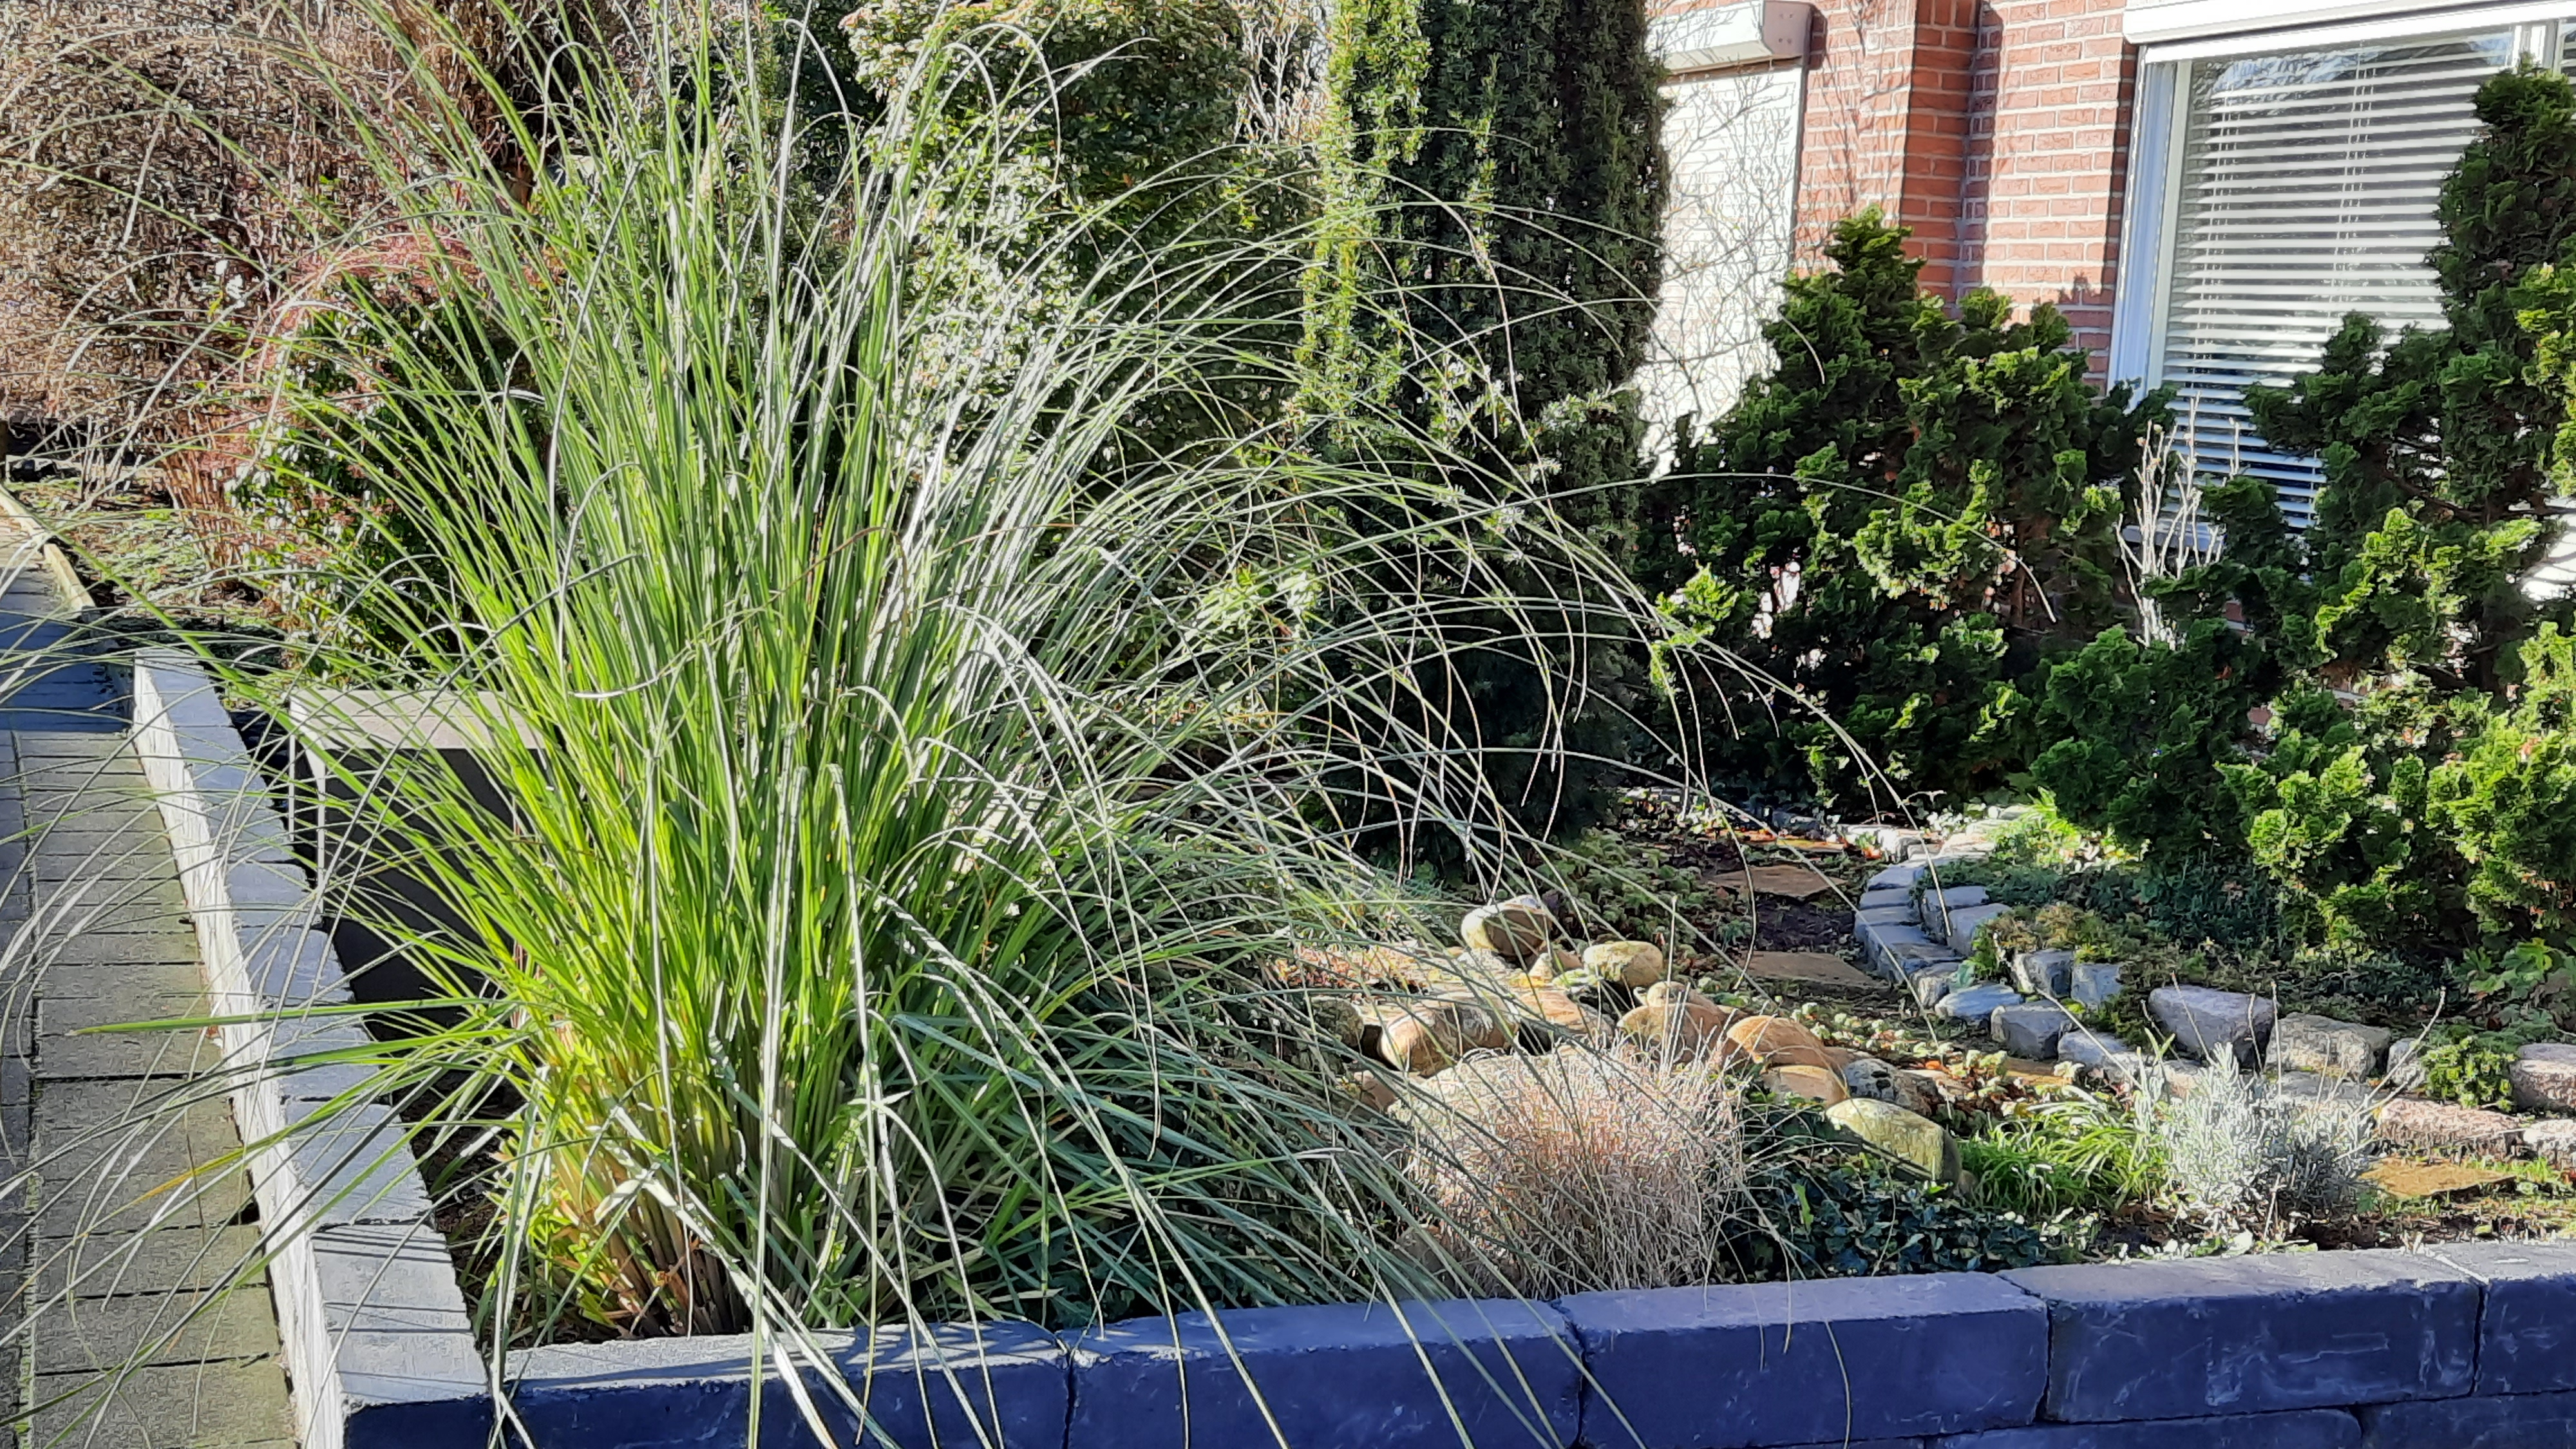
point(128, 1240)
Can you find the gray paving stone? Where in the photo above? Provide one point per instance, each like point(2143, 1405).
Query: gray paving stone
point(150, 980)
point(195, 1406)
point(122, 948)
point(87, 1334)
point(107, 1265)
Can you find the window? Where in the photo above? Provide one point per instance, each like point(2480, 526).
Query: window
point(2280, 183)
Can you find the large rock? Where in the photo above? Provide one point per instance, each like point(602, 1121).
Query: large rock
point(1516, 929)
point(2441, 1127)
point(2043, 973)
point(2213, 1025)
point(2552, 1141)
point(1777, 1041)
point(1937, 906)
point(1906, 1136)
point(2305, 1043)
point(1964, 925)
point(2088, 1048)
point(1816, 1084)
point(1680, 1029)
point(1894, 878)
point(1908, 959)
point(1929, 987)
point(1887, 897)
point(2544, 1077)
point(1633, 964)
point(1880, 944)
point(1975, 1003)
point(2405, 1070)
point(2029, 1029)
point(1427, 1036)
point(2092, 984)
point(1870, 1078)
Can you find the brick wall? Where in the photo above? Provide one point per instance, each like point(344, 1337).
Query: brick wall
point(1997, 129)
point(2050, 157)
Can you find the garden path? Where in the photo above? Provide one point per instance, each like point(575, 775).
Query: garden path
point(126, 1257)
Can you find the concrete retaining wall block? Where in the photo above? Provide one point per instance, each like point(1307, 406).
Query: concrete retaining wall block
point(2300, 1429)
point(1792, 1363)
point(2506, 1421)
point(2527, 1330)
point(1351, 1376)
point(1002, 1385)
point(2249, 1335)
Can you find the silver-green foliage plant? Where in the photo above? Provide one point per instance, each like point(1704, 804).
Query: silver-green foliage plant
point(901, 775)
point(2239, 1152)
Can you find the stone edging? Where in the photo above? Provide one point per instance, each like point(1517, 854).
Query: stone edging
point(49, 549)
point(378, 1344)
point(2458, 1346)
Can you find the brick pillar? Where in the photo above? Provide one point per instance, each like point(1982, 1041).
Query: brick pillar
point(1889, 106)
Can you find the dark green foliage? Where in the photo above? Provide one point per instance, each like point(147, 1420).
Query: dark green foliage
point(2137, 733)
point(1485, 271)
point(1845, 1220)
point(1943, 488)
point(2508, 800)
point(2436, 444)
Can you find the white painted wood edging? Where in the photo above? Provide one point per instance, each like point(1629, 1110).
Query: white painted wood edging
point(379, 1347)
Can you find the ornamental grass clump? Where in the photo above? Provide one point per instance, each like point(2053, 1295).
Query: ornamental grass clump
point(897, 768)
point(1579, 1170)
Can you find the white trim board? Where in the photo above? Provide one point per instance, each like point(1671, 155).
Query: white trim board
point(2226, 27)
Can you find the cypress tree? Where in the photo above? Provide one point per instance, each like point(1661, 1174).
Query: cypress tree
point(1494, 196)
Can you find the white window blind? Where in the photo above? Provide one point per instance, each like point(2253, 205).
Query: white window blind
point(2303, 188)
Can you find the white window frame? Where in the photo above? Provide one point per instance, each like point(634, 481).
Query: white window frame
point(2138, 307)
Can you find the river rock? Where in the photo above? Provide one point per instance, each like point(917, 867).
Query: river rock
point(2552, 1141)
point(2091, 984)
point(1633, 964)
point(2302, 1042)
point(1371, 1090)
point(2213, 1025)
point(1976, 1003)
point(1516, 929)
point(1676, 993)
point(1551, 963)
point(2043, 973)
point(1558, 1010)
point(1813, 1083)
point(2441, 1127)
point(1427, 1036)
point(1920, 1092)
point(1871, 1078)
point(1907, 1136)
point(2030, 1028)
point(2544, 1077)
point(1685, 1029)
point(1776, 1041)
point(1929, 987)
